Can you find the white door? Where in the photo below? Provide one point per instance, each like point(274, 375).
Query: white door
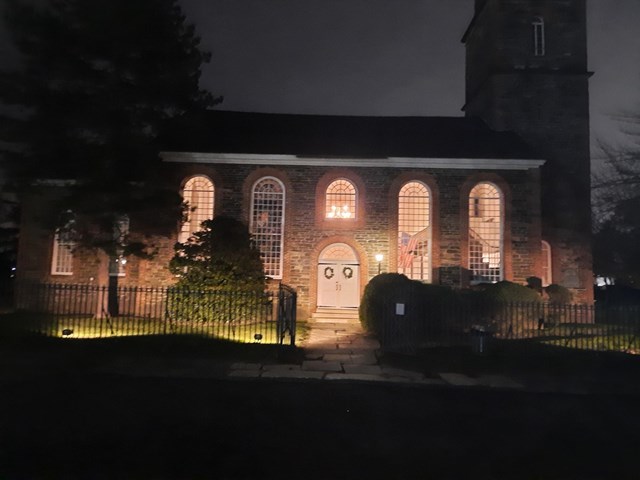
point(338, 277)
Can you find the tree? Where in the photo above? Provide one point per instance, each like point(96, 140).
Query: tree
point(97, 80)
point(221, 277)
point(220, 257)
point(617, 210)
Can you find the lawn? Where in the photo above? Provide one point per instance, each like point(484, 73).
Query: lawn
point(87, 327)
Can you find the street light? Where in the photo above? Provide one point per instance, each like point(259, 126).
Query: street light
point(379, 258)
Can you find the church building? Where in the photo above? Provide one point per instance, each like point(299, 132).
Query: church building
point(501, 192)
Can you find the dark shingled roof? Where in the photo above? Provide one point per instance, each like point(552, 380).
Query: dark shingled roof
point(341, 136)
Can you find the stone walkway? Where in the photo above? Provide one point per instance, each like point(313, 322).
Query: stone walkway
point(338, 349)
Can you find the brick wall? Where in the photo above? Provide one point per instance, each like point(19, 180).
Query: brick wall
point(307, 233)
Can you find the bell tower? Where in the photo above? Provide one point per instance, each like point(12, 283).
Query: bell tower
point(526, 72)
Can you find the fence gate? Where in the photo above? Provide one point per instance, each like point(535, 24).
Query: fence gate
point(286, 320)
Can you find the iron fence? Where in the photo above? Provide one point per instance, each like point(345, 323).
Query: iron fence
point(585, 327)
point(90, 311)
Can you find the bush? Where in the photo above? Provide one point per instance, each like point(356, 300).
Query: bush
point(558, 294)
point(507, 292)
point(421, 301)
point(377, 297)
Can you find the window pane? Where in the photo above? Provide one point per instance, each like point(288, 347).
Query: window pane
point(485, 233)
point(63, 246)
point(198, 194)
point(414, 232)
point(267, 224)
point(341, 199)
point(546, 264)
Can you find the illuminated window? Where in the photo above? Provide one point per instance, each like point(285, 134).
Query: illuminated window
point(485, 233)
point(341, 199)
point(63, 245)
point(538, 37)
point(267, 223)
point(118, 262)
point(414, 231)
point(547, 278)
point(198, 196)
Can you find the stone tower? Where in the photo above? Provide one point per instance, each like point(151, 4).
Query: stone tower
point(526, 71)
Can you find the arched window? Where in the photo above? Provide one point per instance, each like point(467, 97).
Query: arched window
point(198, 195)
point(547, 276)
point(63, 245)
point(414, 231)
point(267, 223)
point(538, 37)
point(340, 199)
point(485, 233)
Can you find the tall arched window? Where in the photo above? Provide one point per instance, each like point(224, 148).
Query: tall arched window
point(63, 245)
point(538, 37)
point(341, 199)
point(198, 194)
point(267, 223)
point(485, 233)
point(414, 231)
point(547, 276)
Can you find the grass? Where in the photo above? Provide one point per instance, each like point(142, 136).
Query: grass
point(89, 327)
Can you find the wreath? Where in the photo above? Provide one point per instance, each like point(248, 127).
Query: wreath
point(347, 272)
point(328, 273)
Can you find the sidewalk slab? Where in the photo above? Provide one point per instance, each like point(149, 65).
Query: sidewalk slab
point(245, 373)
point(366, 369)
point(355, 376)
point(499, 381)
point(321, 366)
point(300, 374)
point(458, 379)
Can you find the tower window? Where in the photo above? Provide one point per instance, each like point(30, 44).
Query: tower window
point(538, 37)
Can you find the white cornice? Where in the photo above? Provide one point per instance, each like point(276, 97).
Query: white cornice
point(388, 162)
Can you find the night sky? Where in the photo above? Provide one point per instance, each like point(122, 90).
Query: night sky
point(381, 57)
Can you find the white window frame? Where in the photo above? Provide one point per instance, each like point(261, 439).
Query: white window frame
point(62, 254)
point(117, 263)
point(547, 276)
point(539, 47)
point(476, 210)
point(187, 229)
point(424, 276)
point(336, 212)
point(263, 238)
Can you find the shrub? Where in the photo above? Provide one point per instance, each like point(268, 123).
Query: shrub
point(558, 294)
point(422, 301)
point(507, 292)
point(377, 297)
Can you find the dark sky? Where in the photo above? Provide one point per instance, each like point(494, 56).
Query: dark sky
point(383, 57)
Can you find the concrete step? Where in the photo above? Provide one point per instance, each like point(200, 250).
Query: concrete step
point(336, 315)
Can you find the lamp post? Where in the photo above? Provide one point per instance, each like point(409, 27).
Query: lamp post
point(379, 258)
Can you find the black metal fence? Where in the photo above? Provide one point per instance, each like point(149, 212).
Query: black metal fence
point(586, 327)
point(90, 311)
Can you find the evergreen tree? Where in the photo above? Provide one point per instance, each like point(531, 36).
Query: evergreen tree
point(96, 81)
point(219, 257)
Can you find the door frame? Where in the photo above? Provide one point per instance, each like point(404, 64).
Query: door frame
point(320, 262)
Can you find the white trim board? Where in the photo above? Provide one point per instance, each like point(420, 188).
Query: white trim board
point(388, 162)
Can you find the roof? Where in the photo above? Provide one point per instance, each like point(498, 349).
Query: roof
point(216, 131)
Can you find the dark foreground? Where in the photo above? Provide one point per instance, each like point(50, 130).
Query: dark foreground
point(80, 426)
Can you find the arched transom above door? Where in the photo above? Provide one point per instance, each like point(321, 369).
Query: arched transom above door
point(338, 253)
